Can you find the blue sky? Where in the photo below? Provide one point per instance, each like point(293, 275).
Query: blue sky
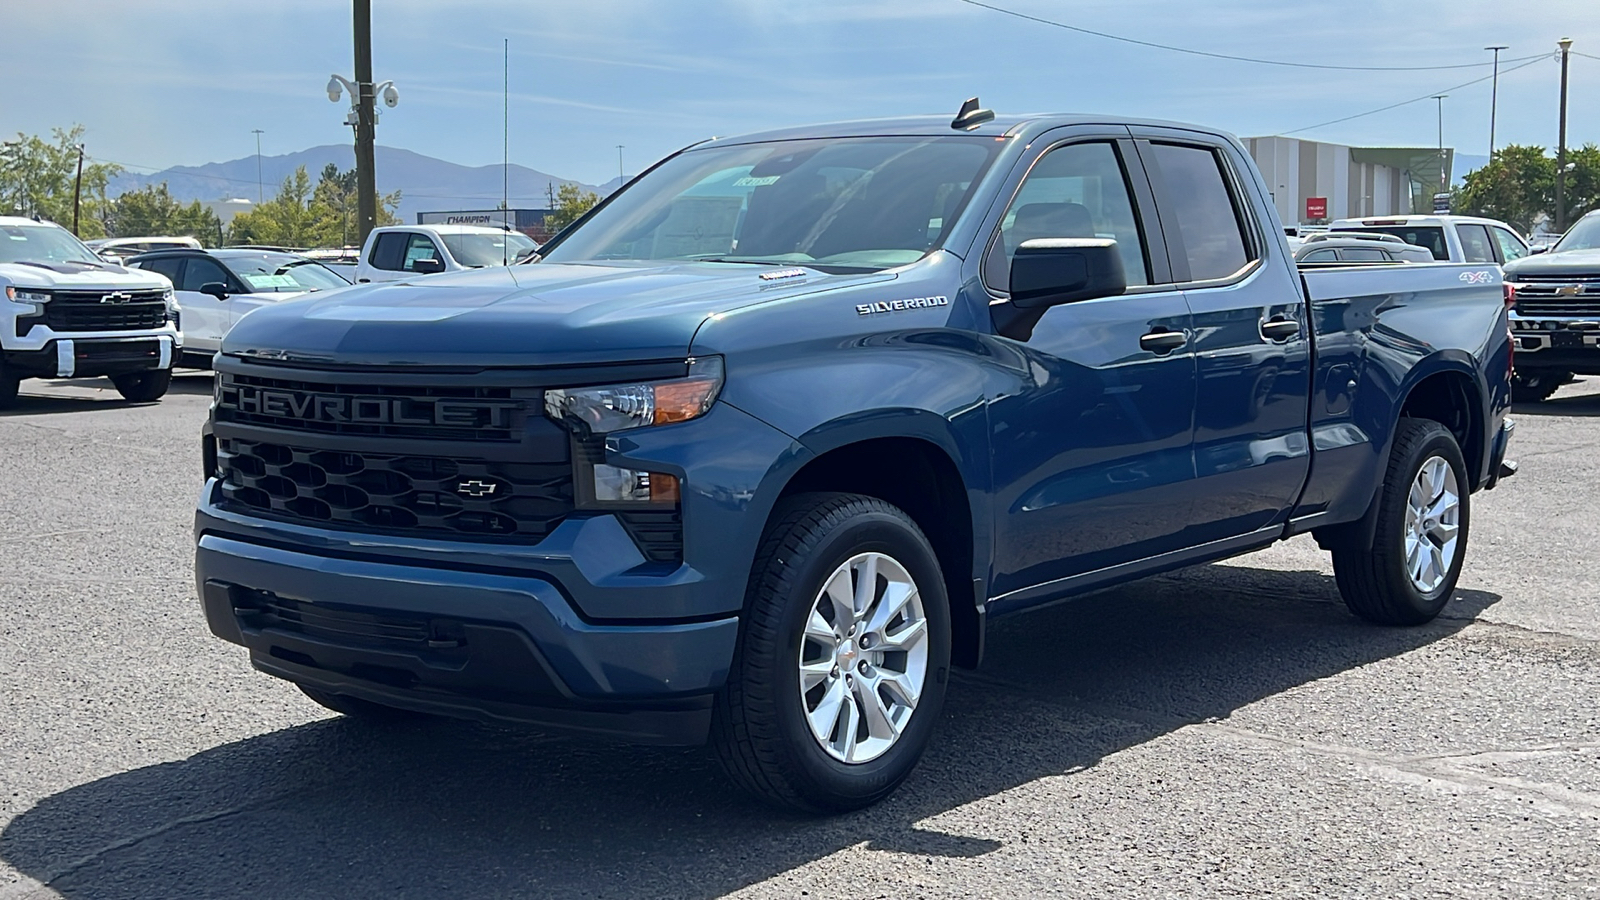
point(168, 82)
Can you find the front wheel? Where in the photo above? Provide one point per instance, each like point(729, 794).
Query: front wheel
point(143, 387)
point(843, 656)
point(1407, 573)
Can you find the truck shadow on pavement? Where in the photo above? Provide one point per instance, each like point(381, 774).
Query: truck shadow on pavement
point(106, 397)
point(339, 808)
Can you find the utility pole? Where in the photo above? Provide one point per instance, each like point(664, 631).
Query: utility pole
point(77, 191)
point(366, 179)
point(260, 194)
point(1561, 148)
point(1494, 95)
point(1444, 178)
point(621, 176)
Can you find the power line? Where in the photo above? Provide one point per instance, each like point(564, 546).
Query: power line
point(1428, 96)
point(1227, 56)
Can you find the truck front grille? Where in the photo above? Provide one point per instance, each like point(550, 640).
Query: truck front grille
point(91, 311)
point(387, 493)
point(1558, 295)
point(475, 414)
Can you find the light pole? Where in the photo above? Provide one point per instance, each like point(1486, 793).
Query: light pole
point(363, 116)
point(1561, 148)
point(260, 194)
point(1494, 95)
point(621, 176)
point(1444, 179)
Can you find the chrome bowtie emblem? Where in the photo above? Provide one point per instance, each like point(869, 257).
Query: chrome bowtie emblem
point(1569, 290)
point(117, 297)
point(476, 488)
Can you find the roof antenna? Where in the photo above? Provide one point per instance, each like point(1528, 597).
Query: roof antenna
point(971, 116)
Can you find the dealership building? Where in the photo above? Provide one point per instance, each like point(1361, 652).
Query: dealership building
point(1315, 182)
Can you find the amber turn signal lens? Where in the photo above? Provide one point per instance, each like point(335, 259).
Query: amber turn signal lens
point(688, 398)
point(663, 488)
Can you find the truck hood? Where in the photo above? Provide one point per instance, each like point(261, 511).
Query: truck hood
point(1567, 262)
point(544, 314)
point(72, 276)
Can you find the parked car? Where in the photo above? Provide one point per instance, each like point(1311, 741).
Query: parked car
point(760, 445)
point(65, 312)
point(119, 250)
point(394, 252)
point(1334, 248)
point(217, 287)
point(1448, 238)
point(1556, 319)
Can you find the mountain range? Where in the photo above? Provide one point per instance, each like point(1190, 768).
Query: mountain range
point(424, 183)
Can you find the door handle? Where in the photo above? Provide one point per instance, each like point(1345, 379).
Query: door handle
point(1161, 341)
point(1279, 329)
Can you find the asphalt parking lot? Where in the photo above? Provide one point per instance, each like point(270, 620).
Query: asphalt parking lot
point(1225, 730)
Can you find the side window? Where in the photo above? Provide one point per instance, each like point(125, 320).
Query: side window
point(1475, 243)
point(419, 247)
point(1076, 191)
point(1362, 254)
point(1193, 192)
point(1320, 256)
point(387, 250)
point(1511, 247)
point(169, 266)
point(201, 271)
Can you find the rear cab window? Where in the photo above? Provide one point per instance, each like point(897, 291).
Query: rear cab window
point(1193, 191)
point(1429, 236)
point(388, 250)
point(1475, 246)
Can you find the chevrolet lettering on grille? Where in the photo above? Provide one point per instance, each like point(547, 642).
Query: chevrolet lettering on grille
point(365, 410)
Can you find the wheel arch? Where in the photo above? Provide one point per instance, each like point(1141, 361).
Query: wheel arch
point(921, 476)
point(1450, 392)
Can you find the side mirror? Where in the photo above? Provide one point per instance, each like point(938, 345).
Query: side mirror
point(216, 289)
point(427, 266)
point(1048, 272)
point(1542, 248)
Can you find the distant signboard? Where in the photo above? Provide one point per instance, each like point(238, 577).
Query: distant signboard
point(1441, 203)
point(520, 219)
point(1316, 208)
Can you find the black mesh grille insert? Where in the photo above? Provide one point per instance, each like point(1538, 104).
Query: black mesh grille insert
point(388, 493)
point(477, 414)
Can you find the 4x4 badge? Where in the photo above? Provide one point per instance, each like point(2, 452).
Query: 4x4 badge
point(476, 488)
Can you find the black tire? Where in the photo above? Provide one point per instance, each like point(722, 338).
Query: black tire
point(143, 387)
point(8, 388)
point(357, 708)
point(1536, 385)
point(759, 730)
point(1373, 579)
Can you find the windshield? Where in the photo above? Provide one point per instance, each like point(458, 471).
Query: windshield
point(1430, 236)
point(42, 243)
point(489, 249)
point(1583, 236)
point(846, 204)
point(276, 273)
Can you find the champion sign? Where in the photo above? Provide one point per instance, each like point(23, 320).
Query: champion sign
point(887, 306)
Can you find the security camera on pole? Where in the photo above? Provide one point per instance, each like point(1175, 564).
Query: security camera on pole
point(363, 116)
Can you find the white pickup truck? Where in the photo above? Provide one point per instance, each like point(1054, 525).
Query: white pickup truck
point(394, 252)
point(1450, 238)
point(65, 312)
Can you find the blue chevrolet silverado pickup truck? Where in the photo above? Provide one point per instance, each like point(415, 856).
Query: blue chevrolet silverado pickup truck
point(759, 445)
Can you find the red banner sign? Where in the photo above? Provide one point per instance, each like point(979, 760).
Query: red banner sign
point(1316, 208)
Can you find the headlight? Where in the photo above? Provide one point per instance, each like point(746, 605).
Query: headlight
point(602, 410)
point(36, 299)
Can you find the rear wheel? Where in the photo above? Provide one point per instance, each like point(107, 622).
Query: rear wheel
point(843, 657)
point(357, 708)
point(1408, 572)
point(143, 387)
point(1536, 385)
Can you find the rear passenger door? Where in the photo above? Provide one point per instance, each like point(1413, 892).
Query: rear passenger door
point(205, 318)
point(1251, 344)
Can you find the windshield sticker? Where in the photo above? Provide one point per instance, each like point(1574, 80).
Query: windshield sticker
point(257, 282)
point(885, 306)
point(748, 181)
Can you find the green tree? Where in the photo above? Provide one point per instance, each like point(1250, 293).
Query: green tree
point(303, 216)
point(571, 202)
point(37, 177)
point(1519, 186)
point(152, 211)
